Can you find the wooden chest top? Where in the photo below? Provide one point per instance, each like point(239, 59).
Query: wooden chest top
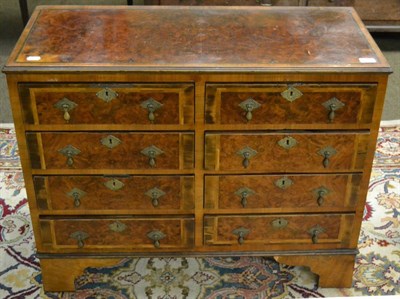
point(223, 39)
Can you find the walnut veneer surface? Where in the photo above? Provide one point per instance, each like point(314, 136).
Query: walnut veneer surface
point(225, 131)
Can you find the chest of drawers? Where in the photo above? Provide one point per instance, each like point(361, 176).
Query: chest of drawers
point(227, 131)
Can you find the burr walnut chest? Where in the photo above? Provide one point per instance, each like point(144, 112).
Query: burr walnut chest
point(195, 131)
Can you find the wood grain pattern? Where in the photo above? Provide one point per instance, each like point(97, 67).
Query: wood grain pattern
point(53, 193)
point(73, 31)
point(301, 191)
point(124, 109)
point(94, 155)
point(100, 236)
point(222, 152)
point(219, 230)
point(223, 101)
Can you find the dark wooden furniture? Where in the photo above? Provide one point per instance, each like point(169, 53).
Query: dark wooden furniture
point(225, 131)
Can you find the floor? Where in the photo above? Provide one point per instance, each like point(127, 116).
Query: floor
point(11, 27)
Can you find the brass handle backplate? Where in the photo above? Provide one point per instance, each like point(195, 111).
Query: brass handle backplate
point(69, 151)
point(315, 232)
point(327, 153)
point(247, 153)
point(152, 152)
point(80, 236)
point(249, 106)
point(241, 233)
point(65, 105)
point(76, 195)
point(156, 236)
point(321, 193)
point(332, 105)
point(151, 105)
point(154, 195)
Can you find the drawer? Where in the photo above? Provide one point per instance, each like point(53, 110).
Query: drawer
point(317, 229)
point(119, 234)
point(144, 193)
point(226, 2)
point(111, 150)
point(292, 152)
point(109, 103)
point(241, 192)
point(289, 104)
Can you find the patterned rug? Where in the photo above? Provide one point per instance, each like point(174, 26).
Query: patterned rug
point(377, 270)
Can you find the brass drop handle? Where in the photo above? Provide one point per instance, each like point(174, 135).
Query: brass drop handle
point(332, 105)
point(156, 236)
point(151, 109)
point(315, 232)
point(314, 237)
point(81, 243)
point(249, 110)
point(154, 199)
point(70, 158)
point(77, 199)
point(244, 199)
point(244, 194)
point(151, 152)
point(152, 158)
point(241, 238)
point(66, 109)
point(241, 232)
point(76, 195)
point(246, 160)
point(80, 237)
point(249, 106)
point(320, 199)
point(327, 153)
point(325, 162)
point(65, 105)
point(247, 153)
point(69, 151)
point(331, 114)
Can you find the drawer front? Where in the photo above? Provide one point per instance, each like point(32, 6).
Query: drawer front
point(118, 234)
point(297, 152)
point(283, 104)
point(278, 229)
point(114, 150)
point(227, 2)
point(145, 193)
point(241, 192)
point(110, 104)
